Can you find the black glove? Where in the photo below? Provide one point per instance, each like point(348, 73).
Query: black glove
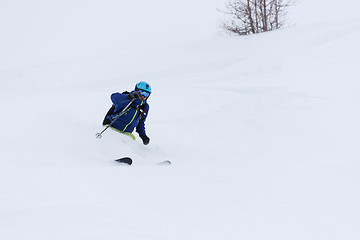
point(145, 139)
point(133, 95)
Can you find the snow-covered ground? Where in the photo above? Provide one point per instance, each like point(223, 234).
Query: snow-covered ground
point(263, 133)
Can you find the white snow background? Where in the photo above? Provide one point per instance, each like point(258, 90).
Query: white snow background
point(263, 131)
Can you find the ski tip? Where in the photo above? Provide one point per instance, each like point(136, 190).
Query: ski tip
point(166, 162)
point(124, 160)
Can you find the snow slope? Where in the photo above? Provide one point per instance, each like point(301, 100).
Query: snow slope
point(263, 133)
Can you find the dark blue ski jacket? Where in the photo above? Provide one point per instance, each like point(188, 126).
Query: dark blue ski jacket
point(133, 117)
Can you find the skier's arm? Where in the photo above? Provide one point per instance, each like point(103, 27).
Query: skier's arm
point(140, 128)
point(118, 98)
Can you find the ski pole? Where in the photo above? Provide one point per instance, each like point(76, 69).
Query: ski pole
point(98, 135)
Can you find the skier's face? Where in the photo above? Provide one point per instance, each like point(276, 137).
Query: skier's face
point(143, 95)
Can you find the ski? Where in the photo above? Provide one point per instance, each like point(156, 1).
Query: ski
point(125, 160)
point(166, 162)
point(129, 161)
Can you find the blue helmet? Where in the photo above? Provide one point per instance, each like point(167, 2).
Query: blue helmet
point(144, 86)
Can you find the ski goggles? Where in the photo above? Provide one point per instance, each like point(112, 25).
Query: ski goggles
point(145, 94)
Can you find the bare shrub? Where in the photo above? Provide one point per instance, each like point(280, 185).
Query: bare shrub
point(255, 16)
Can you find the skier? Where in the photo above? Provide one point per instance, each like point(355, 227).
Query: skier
point(135, 115)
